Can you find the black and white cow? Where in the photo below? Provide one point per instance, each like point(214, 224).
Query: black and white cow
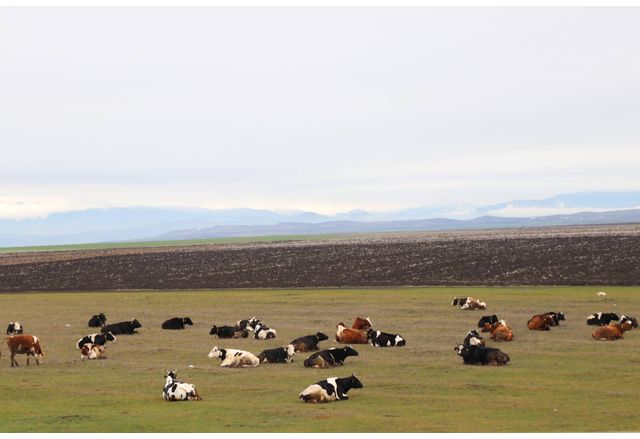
point(228, 332)
point(96, 339)
point(384, 339)
point(234, 357)
point(177, 323)
point(97, 320)
point(122, 327)
point(602, 318)
point(331, 389)
point(14, 328)
point(330, 357)
point(554, 318)
point(630, 320)
point(487, 320)
point(473, 338)
point(283, 354)
point(260, 330)
point(175, 390)
point(309, 342)
point(482, 355)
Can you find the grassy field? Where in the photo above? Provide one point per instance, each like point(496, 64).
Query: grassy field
point(558, 381)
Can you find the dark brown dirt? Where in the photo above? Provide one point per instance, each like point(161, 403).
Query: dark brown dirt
point(569, 256)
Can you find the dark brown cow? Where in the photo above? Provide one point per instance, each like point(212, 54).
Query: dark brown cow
point(24, 344)
point(612, 331)
point(350, 335)
point(538, 323)
point(362, 323)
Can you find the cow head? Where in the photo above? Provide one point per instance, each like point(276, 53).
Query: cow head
point(340, 324)
point(461, 349)
point(370, 333)
point(473, 333)
point(252, 323)
point(102, 318)
point(290, 350)
point(214, 330)
point(187, 321)
point(362, 323)
point(454, 302)
point(631, 321)
point(136, 323)
point(349, 351)
point(560, 316)
point(217, 353)
point(320, 336)
point(355, 382)
point(109, 336)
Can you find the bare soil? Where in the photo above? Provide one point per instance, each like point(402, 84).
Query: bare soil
point(607, 255)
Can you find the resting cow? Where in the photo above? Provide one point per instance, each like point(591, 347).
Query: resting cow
point(260, 330)
point(177, 323)
point(97, 320)
point(234, 357)
point(500, 331)
point(331, 389)
point(330, 358)
point(473, 339)
point(630, 320)
point(122, 327)
point(553, 318)
point(308, 342)
point(92, 352)
point(613, 331)
point(482, 355)
point(362, 323)
point(24, 344)
point(14, 328)
point(538, 323)
point(384, 339)
point(350, 335)
point(487, 320)
point(96, 339)
point(282, 354)
point(469, 303)
point(175, 390)
point(602, 318)
point(228, 332)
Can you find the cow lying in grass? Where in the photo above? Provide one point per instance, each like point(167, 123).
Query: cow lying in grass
point(259, 329)
point(122, 327)
point(308, 342)
point(228, 332)
point(602, 318)
point(92, 352)
point(177, 323)
point(538, 323)
point(612, 331)
point(487, 320)
point(469, 303)
point(350, 335)
point(383, 339)
point(97, 320)
point(234, 357)
point(175, 390)
point(282, 354)
point(500, 331)
point(331, 389)
point(24, 344)
point(330, 358)
point(473, 339)
point(482, 355)
point(96, 339)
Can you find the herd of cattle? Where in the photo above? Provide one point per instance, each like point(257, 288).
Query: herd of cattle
point(472, 349)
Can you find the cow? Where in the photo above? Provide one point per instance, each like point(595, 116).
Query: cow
point(538, 323)
point(553, 318)
point(630, 320)
point(260, 330)
point(283, 354)
point(362, 323)
point(473, 339)
point(177, 323)
point(487, 320)
point(234, 357)
point(384, 339)
point(92, 352)
point(459, 301)
point(122, 327)
point(601, 294)
point(330, 358)
point(308, 342)
point(612, 331)
point(350, 335)
point(228, 332)
point(175, 390)
point(602, 318)
point(96, 339)
point(14, 328)
point(24, 344)
point(97, 320)
point(469, 303)
point(331, 389)
point(500, 331)
point(482, 355)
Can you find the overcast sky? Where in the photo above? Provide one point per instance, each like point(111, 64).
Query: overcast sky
point(325, 109)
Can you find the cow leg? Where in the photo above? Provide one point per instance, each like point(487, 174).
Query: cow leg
point(27, 359)
point(13, 360)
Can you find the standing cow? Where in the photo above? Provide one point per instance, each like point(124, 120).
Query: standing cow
point(25, 344)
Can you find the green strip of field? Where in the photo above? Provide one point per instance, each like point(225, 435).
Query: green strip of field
point(558, 381)
point(170, 243)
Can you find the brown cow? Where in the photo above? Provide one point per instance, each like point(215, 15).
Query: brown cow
point(24, 344)
point(500, 331)
point(612, 331)
point(362, 323)
point(538, 323)
point(350, 335)
point(92, 352)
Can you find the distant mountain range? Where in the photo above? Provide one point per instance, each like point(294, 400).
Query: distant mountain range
point(149, 223)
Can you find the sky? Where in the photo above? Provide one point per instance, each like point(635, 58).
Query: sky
point(323, 109)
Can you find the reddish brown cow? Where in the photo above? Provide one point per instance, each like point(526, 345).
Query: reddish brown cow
point(501, 332)
point(362, 323)
point(24, 344)
point(350, 335)
point(612, 331)
point(538, 323)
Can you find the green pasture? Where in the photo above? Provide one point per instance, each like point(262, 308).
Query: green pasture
point(558, 381)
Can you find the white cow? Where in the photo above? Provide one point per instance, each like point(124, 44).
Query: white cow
point(92, 352)
point(175, 390)
point(234, 357)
